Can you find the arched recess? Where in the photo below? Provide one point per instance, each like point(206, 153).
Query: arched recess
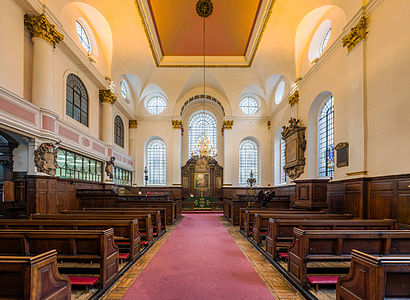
point(307, 28)
point(197, 105)
point(258, 94)
point(97, 28)
point(151, 90)
point(133, 86)
point(312, 134)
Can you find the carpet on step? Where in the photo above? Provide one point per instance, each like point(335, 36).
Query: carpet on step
point(199, 260)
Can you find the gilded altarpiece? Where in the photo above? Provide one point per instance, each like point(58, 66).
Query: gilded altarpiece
point(202, 180)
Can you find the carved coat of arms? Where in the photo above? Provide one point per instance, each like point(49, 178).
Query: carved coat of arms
point(45, 158)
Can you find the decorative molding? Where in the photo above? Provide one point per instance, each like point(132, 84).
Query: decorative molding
point(201, 97)
point(132, 123)
point(107, 96)
point(40, 27)
point(176, 124)
point(294, 98)
point(356, 34)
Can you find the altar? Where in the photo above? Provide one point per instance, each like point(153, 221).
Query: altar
point(202, 183)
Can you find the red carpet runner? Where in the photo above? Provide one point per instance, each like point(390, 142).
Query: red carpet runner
point(200, 260)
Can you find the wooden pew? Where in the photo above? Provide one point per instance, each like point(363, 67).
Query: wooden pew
point(71, 246)
point(375, 278)
point(280, 232)
point(249, 215)
point(33, 277)
point(336, 245)
point(260, 228)
point(162, 211)
point(124, 230)
point(156, 219)
point(144, 221)
point(243, 211)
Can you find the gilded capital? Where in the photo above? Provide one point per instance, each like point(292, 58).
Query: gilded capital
point(294, 98)
point(133, 123)
point(269, 125)
point(107, 96)
point(176, 124)
point(355, 35)
point(228, 124)
point(40, 27)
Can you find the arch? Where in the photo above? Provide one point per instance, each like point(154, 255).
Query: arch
point(76, 99)
point(198, 98)
point(248, 159)
point(312, 134)
point(97, 27)
point(155, 160)
point(119, 131)
point(201, 122)
point(307, 28)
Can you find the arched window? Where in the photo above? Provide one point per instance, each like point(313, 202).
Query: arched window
point(156, 105)
point(326, 138)
point(325, 40)
point(83, 37)
point(123, 87)
point(282, 161)
point(156, 161)
point(280, 91)
point(249, 106)
point(201, 123)
point(76, 100)
point(118, 131)
point(320, 40)
point(248, 160)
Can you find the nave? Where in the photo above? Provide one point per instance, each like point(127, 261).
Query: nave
point(202, 257)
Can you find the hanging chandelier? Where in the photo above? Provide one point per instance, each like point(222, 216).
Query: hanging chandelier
point(204, 146)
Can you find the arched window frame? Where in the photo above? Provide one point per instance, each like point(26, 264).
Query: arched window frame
point(119, 131)
point(76, 99)
point(248, 160)
point(199, 123)
point(155, 154)
point(249, 105)
point(326, 149)
point(83, 36)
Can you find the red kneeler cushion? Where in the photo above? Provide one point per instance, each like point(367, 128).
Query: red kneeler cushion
point(144, 242)
point(323, 279)
point(83, 280)
point(283, 254)
point(124, 255)
point(122, 243)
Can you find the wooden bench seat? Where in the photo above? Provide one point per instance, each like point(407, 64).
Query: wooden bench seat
point(144, 221)
point(71, 245)
point(375, 278)
point(261, 226)
point(162, 211)
point(33, 277)
point(324, 245)
point(126, 232)
point(155, 215)
point(280, 231)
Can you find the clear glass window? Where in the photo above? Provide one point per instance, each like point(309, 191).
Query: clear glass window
point(248, 161)
point(123, 87)
point(156, 105)
point(326, 138)
point(325, 40)
point(280, 91)
point(249, 106)
point(156, 161)
point(118, 131)
point(202, 123)
point(83, 37)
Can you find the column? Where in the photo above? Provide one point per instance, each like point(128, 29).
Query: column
point(229, 152)
point(133, 145)
point(45, 37)
point(107, 98)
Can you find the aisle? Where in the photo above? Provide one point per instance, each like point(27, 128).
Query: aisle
point(200, 260)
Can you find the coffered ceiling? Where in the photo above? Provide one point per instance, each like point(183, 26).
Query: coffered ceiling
point(232, 32)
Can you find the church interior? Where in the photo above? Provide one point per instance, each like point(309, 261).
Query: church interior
point(204, 149)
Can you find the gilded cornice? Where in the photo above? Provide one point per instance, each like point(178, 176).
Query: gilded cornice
point(355, 35)
point(176, 124)
point(107, 96)
point(247, 65)
point(40, 27)
point(132, 123)
point(294, 98)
